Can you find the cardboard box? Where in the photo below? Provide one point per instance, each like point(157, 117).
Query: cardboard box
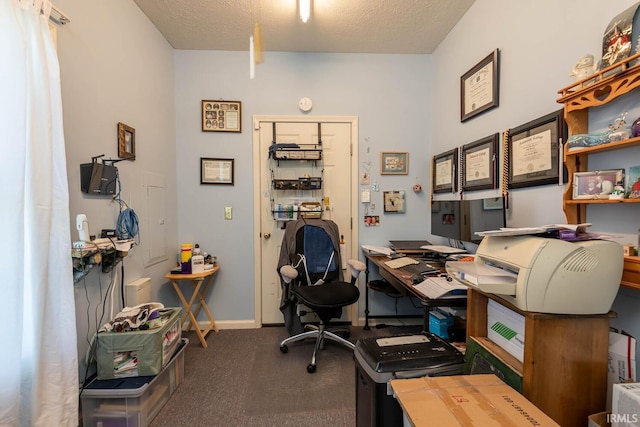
point(622, 362)
point(599, 420)
point(626, 405)
point(461, 400)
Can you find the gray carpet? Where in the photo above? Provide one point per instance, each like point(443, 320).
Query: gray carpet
point(242, 379)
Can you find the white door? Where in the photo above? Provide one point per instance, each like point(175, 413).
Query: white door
point(336, 195)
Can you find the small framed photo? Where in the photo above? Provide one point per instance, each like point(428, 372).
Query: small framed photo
point(634, 182)
point(445, 172)
point(394, 163)
point(596, 184)
point(221, 116)
point(480, 164)
point(126, 142)
point(394, 201)
point(479, 87)
point(492, 203)
point(216, 171)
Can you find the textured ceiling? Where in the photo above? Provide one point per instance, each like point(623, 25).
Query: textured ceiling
point(347, 26)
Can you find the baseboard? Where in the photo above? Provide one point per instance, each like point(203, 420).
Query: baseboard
point(230, 324)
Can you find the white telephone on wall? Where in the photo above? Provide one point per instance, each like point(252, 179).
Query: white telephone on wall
point(82, 225)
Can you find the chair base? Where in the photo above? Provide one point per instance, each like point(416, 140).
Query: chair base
point(320, 333)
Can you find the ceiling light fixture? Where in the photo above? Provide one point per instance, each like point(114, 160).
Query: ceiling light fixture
point(304, 7)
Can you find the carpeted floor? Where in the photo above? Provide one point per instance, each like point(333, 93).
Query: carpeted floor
point(242, 379)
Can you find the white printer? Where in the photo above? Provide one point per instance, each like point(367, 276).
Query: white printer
point(544, 274)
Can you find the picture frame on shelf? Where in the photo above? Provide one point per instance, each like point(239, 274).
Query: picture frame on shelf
point(216, 171)
point(394, 163)
point(126, 142)
point(492, 203)
point(633, 183)
point(445, 172)
point(480, 164)
point(480, 87)
point(394, 201)
point(534, 152)
point(596, 184)
point(221, 116)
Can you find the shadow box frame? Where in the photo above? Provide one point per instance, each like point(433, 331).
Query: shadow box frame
point(445, 172)
point(394, 163)
point(126, 142)
point(221, 116)
point(521, 169)
point(484, 168)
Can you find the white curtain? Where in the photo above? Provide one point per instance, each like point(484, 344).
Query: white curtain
point(38, 354)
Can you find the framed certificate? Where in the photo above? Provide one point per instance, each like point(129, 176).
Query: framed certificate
point(480, 164)
point(445, 172)
point(216, 171)
point(479, 87)
point(534, 151)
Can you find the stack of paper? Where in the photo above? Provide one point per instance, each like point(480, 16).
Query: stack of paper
point(438, 287)
point(484, 277)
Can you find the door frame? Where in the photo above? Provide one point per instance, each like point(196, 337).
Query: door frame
point(257, 197)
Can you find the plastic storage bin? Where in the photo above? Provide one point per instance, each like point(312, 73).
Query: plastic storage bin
point(131, 402)
point(138, 353)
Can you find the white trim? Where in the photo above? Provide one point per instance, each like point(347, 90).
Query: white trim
point(353, 234)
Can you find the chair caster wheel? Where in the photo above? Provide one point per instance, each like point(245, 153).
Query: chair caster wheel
point(284, 348)
point(311, 368)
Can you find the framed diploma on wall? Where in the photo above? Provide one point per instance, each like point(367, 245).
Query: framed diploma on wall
point(480, 164)
point(534, 151)
point(445, 172)
point(480, 87)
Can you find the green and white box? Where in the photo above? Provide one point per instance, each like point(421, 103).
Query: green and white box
point(505, 327)
point(138, 353)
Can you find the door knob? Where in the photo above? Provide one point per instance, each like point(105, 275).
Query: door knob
point(266, 235)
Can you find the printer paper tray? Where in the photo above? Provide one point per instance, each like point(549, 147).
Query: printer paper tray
point(483, 277)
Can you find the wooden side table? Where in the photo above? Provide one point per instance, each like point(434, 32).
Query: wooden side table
point(201, 283)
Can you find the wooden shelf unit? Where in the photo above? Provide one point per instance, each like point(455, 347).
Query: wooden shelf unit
point(597, 90)
point(564, 370)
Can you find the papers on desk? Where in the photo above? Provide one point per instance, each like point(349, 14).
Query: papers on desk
point(380, 250)
point(523, 231)
point(439, 287)
point(484, 277)
point(443, 249)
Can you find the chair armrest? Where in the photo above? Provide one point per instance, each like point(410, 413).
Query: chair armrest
point(288, 273)
point(356, 267)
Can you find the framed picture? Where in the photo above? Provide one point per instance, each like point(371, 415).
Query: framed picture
point(216, 171)
point(534, 151)
point(633, 191)
point(596, 184)
point(394, 163)
point(492, 203)
point(394, 201)
point(126, 142)
point(480, 164)
point(480, 87)
point(221, 116)
point(445, 172)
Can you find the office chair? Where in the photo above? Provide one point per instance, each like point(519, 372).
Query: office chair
point(311, 274)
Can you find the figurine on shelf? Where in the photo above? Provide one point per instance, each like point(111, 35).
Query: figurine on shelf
point(618, 129)
point(586, 66)
point(635, 128)
point(616, 132)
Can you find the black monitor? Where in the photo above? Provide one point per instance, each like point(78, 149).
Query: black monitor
point(461, 219)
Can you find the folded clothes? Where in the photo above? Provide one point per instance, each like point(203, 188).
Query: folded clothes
point(141, 317)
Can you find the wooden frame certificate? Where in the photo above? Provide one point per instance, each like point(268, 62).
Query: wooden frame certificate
point(479, 87)
point(445, 172)
point(535, 151)
point(216, 171)
point(479, 164)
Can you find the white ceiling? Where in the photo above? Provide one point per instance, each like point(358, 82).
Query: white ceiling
point(345, 26)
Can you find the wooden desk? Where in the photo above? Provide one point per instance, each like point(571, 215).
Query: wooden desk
point(201, 283)
point(401, 281)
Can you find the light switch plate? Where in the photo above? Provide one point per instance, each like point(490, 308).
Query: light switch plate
point(228, 212)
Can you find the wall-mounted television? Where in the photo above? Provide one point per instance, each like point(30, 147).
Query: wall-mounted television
point(461, 219)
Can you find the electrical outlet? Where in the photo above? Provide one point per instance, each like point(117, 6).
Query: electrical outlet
point(228, 212)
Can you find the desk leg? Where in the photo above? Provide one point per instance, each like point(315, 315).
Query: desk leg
point(425, 320)
point(366, 296)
